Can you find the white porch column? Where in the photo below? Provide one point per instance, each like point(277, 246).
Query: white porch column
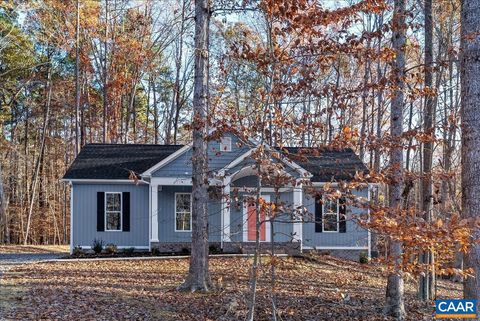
point(297, 224)
point(226, 211)
point(154, 213)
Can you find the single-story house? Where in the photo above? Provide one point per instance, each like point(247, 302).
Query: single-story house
point(139, 195)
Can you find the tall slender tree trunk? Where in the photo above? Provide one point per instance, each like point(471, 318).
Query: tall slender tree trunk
point(105, 77)
point(177, 98)
point(395, 288)
point(77, 82)
point(470, 84)
point(36, 174)
point(155, 114)
point(425, 284)
point(3, 210)
point(198, 278)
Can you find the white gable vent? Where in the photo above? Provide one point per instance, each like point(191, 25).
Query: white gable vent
point(226, 144)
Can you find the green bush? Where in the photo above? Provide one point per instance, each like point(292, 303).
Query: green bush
point(111, 248)
point(363, 257)
point(214, 249)
point(77, 250)
point(129, 250)
point(97, 246)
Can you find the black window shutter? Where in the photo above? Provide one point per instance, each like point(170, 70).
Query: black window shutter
point(318, 214)
point(342, 215)
point(126, 211)
point(100, 211)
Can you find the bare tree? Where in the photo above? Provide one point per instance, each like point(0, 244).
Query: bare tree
point(395, 287)
point(470, 86)
point(198, 278)
point(38, 165)
point(77, 81)
point(425, 286)
point(105, 77)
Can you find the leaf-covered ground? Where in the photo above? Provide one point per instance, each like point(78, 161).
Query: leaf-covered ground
point(23, 249)
point(321, 289)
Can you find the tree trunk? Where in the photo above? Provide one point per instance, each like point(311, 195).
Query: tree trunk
point(470, 84)
point(155, 114)
point(425, 286)
point(36, 174)
point(3, 211)
point(77, 82)
point(198, 278)
point(394, 294)
point(105, 78)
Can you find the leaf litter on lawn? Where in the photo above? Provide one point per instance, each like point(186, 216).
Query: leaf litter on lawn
point(323, 288)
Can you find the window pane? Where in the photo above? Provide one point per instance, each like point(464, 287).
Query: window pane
point(183, 203)
point(183, 222)
point(113, 202)
point(226, 144)
point(331, 206)
point(113, 221)
point(330, 222)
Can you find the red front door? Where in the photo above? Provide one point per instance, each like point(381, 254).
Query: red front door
point(251, 222)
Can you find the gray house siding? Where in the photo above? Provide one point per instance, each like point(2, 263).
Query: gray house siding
point(84, 224)
point(182, 166)
point(355, 236)
point(166, 219)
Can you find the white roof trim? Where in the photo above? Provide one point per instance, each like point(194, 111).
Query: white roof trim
point(167, 160)
point(178, 181)
point(236, 161)
point(103, 181)
point(303, 173)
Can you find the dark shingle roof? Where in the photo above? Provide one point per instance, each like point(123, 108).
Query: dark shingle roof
point(327, 165)
point(115, 161)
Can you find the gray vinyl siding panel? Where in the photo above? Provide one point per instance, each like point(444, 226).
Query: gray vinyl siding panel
point(182, 166)
point(355, 235)
point(247, 181)
point(85, 215)
point(166, 219)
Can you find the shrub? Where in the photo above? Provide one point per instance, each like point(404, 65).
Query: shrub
point(363, 257)
point(129, 250)
point(155, 251)
point(185, 250)
point(214, 249)
point(77, 250)
point(97, 246)
point(111, 248)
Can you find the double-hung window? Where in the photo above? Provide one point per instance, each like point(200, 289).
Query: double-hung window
point(330, 215)
point(113, 211)
point(183, 212)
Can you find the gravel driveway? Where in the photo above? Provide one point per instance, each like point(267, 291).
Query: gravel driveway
point(8, 261)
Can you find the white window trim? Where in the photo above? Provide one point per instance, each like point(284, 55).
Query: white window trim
point(175, 212)
point(325, 213)
point(227, 146)
point(121, 212)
